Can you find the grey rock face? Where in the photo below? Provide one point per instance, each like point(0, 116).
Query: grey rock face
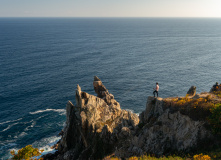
point(95, 125)
point(162, 131)
point(154, 108)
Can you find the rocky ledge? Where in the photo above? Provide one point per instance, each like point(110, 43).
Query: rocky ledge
point(97, 127)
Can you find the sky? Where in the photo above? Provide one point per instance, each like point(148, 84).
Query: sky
point(110, 8)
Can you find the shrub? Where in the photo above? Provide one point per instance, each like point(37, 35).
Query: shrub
point(26, 153)
point(215, 119)
point(218, 93)
point(201, 157)
point(197, 109)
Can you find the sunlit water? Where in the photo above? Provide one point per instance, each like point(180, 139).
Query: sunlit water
point(42, 60)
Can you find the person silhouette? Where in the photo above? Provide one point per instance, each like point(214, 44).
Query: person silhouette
point(156, 89)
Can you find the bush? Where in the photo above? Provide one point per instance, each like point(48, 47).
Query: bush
point(197, 109)
point(217, 93)
point(26, 153)
point(201, 157)
point(215, 119)
point(154, 158)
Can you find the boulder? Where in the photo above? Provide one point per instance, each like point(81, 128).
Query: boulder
point(192, 91)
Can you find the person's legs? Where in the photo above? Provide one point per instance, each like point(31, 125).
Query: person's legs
point(154, 93)
point(157, 93)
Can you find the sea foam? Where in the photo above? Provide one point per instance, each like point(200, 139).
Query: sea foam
point(61, 111)
point(10, 121)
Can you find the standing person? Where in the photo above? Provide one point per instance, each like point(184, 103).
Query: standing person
point(156, 89)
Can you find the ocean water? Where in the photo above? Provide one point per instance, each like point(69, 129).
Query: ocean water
point(43, 59)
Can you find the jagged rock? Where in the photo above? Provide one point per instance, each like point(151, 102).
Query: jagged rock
point(99, 88)
point(94, 123)
point(96, 78)
point(172, 132)
point(192, 91)
point(154, 108)
point(125, 132)
point(163, 131)
point(51, 156)
point(96, 127)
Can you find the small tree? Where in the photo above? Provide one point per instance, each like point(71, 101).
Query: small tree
point(26, 153)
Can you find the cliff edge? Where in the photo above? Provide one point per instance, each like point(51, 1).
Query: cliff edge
point(96, 126)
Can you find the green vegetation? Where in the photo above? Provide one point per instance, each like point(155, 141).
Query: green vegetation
point(154, 158)
point(145, 157)
point(26, 153)
point(206, 108)
point(214, 153)
point(198, 109)
point(217, 93)
point(215, 119)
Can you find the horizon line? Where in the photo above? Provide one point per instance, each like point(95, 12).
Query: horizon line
point(94, 17)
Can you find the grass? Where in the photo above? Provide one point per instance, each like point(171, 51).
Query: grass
point(197, 109)
point(217, 93)
point(204, 109)
point(149, 157)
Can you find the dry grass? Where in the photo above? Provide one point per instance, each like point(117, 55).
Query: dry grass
point(197, 109)
point(145, 157)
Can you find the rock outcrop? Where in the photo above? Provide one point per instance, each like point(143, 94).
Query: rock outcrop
point(192, 91)
point(96, 127)
point(163, 131)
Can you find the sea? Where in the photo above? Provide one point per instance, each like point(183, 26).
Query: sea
point(43, 59)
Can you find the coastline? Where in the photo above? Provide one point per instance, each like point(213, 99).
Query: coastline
point(166, 126)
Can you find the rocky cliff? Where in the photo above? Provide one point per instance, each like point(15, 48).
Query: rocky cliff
point(96, 127)
point(164, 131)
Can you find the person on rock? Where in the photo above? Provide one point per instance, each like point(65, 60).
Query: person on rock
point(216, 87)
point(156, 89)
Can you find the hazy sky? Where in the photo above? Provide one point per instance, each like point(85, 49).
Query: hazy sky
point(110, 8)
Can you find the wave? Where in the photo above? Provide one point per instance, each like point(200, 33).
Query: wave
point(22, 134)
point(11, 121)
point(46, 144)
point(31, 126)
point(13, 124)
point(7, 145)
point(61, 111)
point(9, 126)
point(49, 141)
